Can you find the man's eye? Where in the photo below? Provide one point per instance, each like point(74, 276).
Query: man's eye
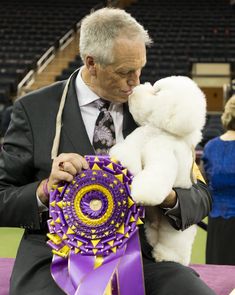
point(123, 73)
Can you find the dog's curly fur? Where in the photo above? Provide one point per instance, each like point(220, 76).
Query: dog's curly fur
point(159, 153)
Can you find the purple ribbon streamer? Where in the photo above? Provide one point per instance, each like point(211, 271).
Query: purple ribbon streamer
point(60, 274)
point(79, 267)
point(99, 278)
point(129, 280)
point(77, 275)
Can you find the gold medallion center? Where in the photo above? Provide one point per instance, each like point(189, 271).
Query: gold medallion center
point(95, 205)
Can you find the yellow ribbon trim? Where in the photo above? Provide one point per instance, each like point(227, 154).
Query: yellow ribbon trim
point(63, 252)
point(85, 219)
point(55, 238)
point(197, 173)
point(108, 290)
point(98, 261)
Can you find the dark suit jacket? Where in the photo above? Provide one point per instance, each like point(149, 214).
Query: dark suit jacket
point(26, 159)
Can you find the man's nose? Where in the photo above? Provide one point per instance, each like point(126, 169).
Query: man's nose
point(134, 79)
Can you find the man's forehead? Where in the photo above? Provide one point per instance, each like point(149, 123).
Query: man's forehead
point(130, 64)
point(131, 57)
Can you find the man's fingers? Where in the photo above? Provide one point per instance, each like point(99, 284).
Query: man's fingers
point(68, 167)
point(85, 164)
point(76, 160)
point(63, 175)
point(65, 167)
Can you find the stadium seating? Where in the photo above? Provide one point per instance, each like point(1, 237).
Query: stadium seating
point(212, 128)
point(191, 31)
point(73, 65)
point(27, 30)
point(185, 32)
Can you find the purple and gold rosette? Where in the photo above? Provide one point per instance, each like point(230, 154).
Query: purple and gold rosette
point(93, 232)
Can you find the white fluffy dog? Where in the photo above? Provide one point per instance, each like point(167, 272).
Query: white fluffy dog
point(159, 153)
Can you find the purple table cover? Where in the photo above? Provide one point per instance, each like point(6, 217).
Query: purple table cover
point(6, 265)
point(221, 278)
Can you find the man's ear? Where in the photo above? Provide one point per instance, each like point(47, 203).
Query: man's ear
point(91, 65)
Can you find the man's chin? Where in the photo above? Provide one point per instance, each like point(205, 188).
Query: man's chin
point(120, 99)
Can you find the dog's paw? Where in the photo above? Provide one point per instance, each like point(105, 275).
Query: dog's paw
point(144, 191)
point(128, 159)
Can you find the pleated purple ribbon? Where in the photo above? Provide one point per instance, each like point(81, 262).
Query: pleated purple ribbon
point(93, 232)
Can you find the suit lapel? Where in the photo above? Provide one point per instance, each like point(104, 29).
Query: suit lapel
point(129, 124)
point(73, 129)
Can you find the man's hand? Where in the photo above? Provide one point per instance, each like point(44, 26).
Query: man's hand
point(64, 168)
point(170, 200)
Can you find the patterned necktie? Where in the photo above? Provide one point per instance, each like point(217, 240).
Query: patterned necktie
point(104, 133)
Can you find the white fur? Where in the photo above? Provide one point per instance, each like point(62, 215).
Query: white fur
point(171, 115)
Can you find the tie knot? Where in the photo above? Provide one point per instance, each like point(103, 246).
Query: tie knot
point(102, 104)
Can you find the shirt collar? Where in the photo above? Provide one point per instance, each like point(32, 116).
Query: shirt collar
point(84, 93)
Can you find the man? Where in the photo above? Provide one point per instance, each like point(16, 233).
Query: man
point(62, 118)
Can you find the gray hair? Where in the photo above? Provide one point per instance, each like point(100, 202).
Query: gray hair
point(100, 29)
point(228, 117)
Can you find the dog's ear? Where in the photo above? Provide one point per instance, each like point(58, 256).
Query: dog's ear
point(148, 84)
point(157, 88)
point(150, 88)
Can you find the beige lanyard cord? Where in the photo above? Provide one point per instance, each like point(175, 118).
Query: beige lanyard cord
point(56, 141)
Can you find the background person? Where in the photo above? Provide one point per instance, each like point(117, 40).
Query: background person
point(219, 168)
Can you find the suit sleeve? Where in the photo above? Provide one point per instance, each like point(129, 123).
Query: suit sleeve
point(18, 203)
point(194, 205)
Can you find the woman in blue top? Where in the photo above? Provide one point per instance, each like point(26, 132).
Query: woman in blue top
point(219, 167)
